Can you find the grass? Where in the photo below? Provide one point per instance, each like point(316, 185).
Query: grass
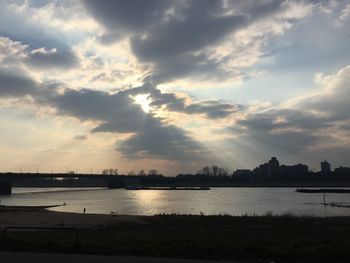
point(267, 238)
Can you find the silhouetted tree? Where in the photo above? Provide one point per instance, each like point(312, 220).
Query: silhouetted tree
point(222, 172)
point(110, 171)
point(152, 172)
point(205, 171)
point(215, 170)
point(142, 172)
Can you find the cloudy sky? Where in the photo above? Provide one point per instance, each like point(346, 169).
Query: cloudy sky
point(173, 85)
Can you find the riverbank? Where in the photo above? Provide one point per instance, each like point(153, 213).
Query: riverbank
point(40, 216)
point(253, 238)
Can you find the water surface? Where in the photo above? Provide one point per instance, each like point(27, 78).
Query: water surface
point(232, 201)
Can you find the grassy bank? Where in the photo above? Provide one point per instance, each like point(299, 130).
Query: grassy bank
point(262, 239)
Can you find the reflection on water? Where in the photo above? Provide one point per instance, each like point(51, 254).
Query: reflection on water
point(233, 201)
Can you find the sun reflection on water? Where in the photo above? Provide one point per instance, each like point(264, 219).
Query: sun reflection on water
point(145, 196)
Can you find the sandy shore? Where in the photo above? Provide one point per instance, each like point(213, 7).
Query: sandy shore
point(32, 216)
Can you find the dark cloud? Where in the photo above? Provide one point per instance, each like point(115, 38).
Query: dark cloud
point(291, 142)
point(16, 83)
point(197, 66)
point(80, 137)
point(162, 142)
point(15, 53)
point(117, 113)
point(135, 15)
point(280, 133)
point(288, 129)
point(284, 119)
point(212, 109)
point(177, 47)
point(52, 59)
point(129, 123)
point(172, 35)
point(318, 120)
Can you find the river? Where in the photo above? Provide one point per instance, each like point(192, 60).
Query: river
point(231, 201)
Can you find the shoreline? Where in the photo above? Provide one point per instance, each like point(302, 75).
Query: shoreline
point(43, 216)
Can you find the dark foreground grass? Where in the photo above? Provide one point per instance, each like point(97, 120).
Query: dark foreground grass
point(256, 239)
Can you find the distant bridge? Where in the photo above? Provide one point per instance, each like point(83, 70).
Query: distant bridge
point(61, 180)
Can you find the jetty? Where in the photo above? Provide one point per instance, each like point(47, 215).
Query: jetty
point(26, 208)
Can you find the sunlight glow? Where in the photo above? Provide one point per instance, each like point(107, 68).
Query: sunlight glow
point(144, 101)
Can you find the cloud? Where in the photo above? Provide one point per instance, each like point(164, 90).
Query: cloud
point(52, 59)
point(11, 51)
point(80, 137)
point(162, 142)
point(334, 99)
point(297, 127)
point(212, 109)
point(284, 119)
point(184, 38)
point(17, 25)
point(282, 131)
point(309, 125)
point(305, 47)
point(16, 83)
point(112, 112)
point(16, 53)
point(127, 15)
point(117, 113)
point(164, 41)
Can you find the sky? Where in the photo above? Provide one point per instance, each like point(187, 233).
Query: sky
point(173, 85)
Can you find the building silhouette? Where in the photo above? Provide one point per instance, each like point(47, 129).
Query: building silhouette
point(263, 171)
point(273, 168)
point(325, 167)
point(244, 174)
point(273, 171)
point(342, 171)
point(291, 171)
